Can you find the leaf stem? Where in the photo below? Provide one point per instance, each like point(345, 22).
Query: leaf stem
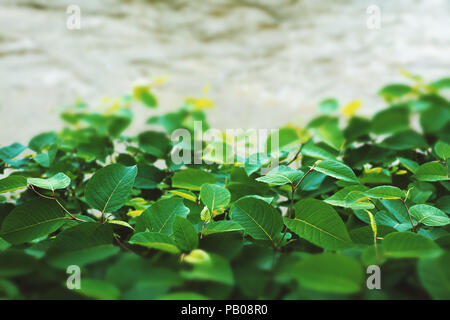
point(413, 229)
point(72, 217)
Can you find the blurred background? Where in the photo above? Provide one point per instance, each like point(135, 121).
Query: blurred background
point(267, 62)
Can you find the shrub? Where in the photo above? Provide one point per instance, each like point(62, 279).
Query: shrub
point(347, 194)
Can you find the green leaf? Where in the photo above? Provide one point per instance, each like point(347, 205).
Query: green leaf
point(318, 223)
point(109, 188)
point(98, 289)
point(431, 171)
point(31, 220)
point(443, 83)
point(409, 245)
point(329, 272)
point(43, 141)
point(155, 240)
point(11, 151)
point(282, 175)
point(154, 143)
point(148, 177)
point(58, 181)
point(390, 121)
point(338, 199)
point(385, 192)
point(314, 151)
point(336, 170)
point(160, 216)
point(82, 244)
point(434, 274)
point(392, 91)
point(429, 216)
point(214, 196)
point(442, 149)
point(215, 268)
point(185, 234)
point(258, 218)
point(222, 226)
point(408, 164)
point(327, 130)
point(328, 106)
point(405, 140)
point(191, 179)
point(12, 183)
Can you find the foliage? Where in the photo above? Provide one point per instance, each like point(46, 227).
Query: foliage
point(349, 192)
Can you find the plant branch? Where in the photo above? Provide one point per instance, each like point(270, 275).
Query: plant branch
point(413, 229)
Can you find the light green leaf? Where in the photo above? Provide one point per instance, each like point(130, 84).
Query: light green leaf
point(154, 240)
point(258, 218)
point(31, 220)
point(214, 196)
point(328, 105)
point(442, 149)
point(409, 245)
point(185, 234)
point(385, 192)
point(222, 226)
point(12, 183)
point(331, 273)
point(429, 216)
point(121, 223)
point(192, 179)
point(338, 199)
point(318, 223)
point(336, 170)
point(159, 217)
point(282, 175)
point(109, 188)
point(431, 171)
point(58, 181)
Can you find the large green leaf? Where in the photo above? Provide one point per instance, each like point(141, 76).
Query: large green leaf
point(282, 175)
point(185, 234)
point(385, 192)
point(109, 188)
point(258, 218)
point(331, 273)
point(12, 183)
point(429, 216)
point(336, 170)
point(58, 181)
point(327, 130)
point(318, 223)
point(31, 220)
point(159, 217)
point(191, 179)
point(214, 196)
point(82, 244)
point(409, 245)
point(155, 240)
point(431, 171)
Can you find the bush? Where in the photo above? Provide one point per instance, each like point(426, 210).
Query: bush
point(138, 225)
